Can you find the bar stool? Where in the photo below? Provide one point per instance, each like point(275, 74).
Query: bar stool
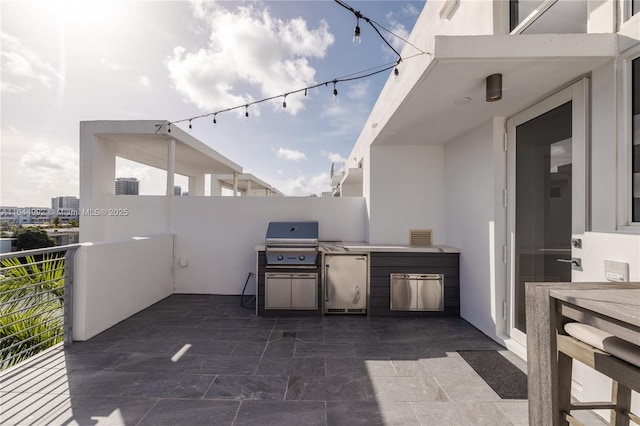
point(606, 353)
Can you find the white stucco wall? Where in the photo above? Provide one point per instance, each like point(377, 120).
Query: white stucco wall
point(116, 279)
point(136, 215)
point(478, 17)
point(406, 192)
point(474, 168)
point(218, 235)
point(603, 151)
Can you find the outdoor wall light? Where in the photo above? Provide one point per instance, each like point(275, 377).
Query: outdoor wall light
point(494, 87)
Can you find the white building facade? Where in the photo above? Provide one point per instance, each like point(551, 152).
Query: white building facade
point(525, 185)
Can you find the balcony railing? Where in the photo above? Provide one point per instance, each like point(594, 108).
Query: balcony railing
point(36, 300)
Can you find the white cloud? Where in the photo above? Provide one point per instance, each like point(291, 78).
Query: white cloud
point(359, 90)
point(23, 66)
point(336, 158)
point(399, 29)
point(302, 186)
point(247, 49)
point(291, 154)
point(108, 65)
point(410, 10)
point(144, 80)
point(46, 168)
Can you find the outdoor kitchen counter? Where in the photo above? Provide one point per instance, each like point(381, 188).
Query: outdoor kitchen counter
point(362, 247)
point(385, 260)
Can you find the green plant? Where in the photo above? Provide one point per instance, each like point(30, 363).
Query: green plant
point(31, 306)
point(32, 238)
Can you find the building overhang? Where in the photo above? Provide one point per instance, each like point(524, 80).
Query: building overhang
point(448, 98)
point(246, 182)
point(353, 176)
point(147, 142)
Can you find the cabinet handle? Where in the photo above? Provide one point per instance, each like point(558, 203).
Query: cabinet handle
point(326, 286)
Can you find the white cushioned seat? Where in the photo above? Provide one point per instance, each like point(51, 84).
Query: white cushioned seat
point(605, 341)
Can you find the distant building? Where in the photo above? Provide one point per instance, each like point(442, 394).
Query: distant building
point(127, 186)
point(64, 236)
point(65, 203)
point(177, 190)
point(26, 215)
point(65, 208)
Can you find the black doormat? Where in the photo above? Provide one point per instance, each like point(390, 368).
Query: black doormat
point(507, 380)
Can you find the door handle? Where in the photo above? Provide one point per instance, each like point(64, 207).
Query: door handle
point(326, 285)
point(574, 261)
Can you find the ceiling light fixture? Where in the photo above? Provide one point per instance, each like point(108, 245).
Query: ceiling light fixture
point(494, 87)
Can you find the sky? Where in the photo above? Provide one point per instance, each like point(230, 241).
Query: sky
point(63, 62)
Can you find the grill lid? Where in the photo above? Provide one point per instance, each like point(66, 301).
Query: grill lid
point(292, 234)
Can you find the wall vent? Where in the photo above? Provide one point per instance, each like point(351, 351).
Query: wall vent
point(420, 237)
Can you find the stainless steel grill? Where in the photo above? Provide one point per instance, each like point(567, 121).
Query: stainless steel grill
point(292, 245)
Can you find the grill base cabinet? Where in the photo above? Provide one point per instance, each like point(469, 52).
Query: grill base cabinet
point(415, 292)
point(291, 291)
point(408, 296)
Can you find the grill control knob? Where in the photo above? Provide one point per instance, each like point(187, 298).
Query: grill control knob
point(280, 257)
point(301, 257)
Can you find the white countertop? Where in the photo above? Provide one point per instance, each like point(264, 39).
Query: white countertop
point(363, 247)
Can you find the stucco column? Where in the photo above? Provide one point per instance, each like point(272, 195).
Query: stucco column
point(171, 165)
point(235, 184)
point(216, 186)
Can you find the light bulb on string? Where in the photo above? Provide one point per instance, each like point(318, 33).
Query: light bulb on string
point(246, 110)
point(356, 33)
point(305, 92)
point(214, 119)
point(190, 126)
point(335, 91)
point(284, 101)
point(169, 128)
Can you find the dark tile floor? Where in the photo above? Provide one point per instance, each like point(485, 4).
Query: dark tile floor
point(204, 360)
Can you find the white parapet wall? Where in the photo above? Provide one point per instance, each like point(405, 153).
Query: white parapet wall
point(216, 236)
point(113, 280)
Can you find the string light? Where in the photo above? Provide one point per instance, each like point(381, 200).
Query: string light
point(351, 77)
point(374, 25)
point(356, 32)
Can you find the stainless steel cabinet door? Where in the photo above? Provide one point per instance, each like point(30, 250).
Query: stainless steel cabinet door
point(414, 292)
point(403, 289)
point(346, 282)
point(304, 291)
point(429, 292)
point(277, 291)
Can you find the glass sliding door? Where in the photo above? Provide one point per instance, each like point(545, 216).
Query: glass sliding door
point(543, 202)
point(546, 181)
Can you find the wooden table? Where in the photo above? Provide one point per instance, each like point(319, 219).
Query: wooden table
point(612, 307)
